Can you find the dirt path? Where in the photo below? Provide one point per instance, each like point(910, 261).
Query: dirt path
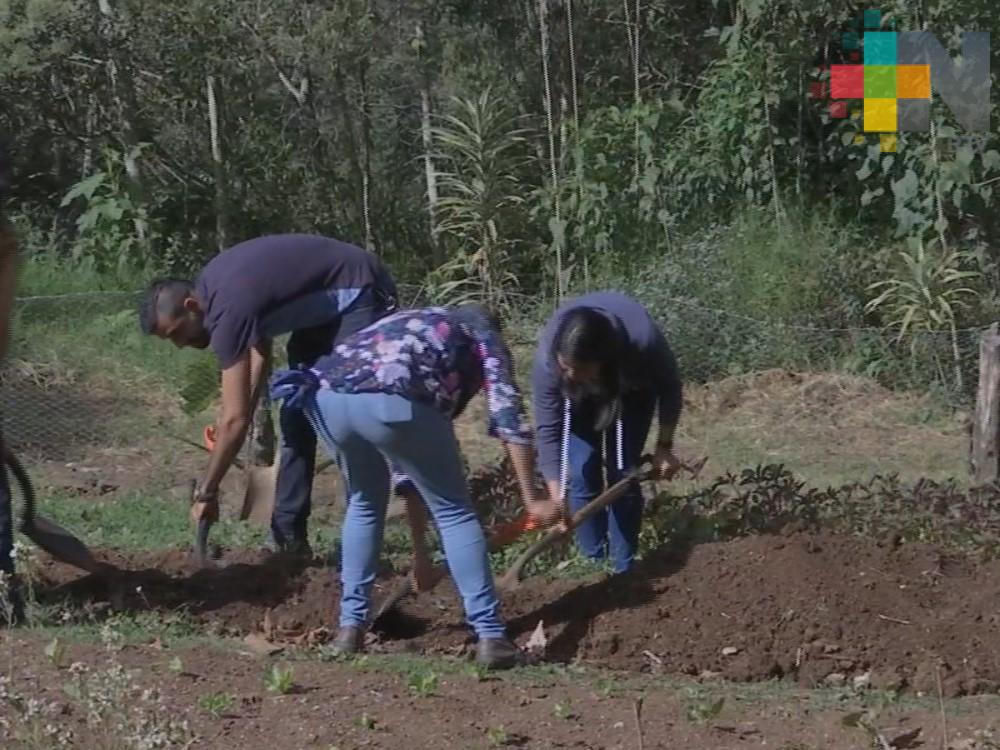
point(343, 706)
point(815, 609)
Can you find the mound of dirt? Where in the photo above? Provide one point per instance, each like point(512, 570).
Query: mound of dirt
point(819, 609)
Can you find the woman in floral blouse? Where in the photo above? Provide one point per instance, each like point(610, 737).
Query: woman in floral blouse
point(393, 389)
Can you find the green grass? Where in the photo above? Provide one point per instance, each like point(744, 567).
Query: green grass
point(135, 521)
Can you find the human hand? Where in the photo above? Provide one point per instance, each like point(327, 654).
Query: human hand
point(665, 463)
point(205, 506)
point(546, 511)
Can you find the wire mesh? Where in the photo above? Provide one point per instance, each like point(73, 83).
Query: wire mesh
point(95, 407)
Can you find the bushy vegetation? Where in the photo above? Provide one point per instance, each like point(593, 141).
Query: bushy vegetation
point(513, 152)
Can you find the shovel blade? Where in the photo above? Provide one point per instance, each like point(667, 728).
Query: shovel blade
point(402, 590)
point(258, 501)
point(63, 546)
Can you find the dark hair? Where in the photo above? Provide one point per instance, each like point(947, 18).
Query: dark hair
point(163, 298)
point(587, 336)
point(477, 314)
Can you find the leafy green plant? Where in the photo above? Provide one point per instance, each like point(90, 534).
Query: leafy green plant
point(927, 295)
point(216, 704)
point(423, 683)
point(608, 687)
point(112, 229)
point(563, 710)
point(55, 652)
point(479, 672)
point(702, 705)
point(279, 679)
point(497, 736)
point(865, 721)
point(483, 154)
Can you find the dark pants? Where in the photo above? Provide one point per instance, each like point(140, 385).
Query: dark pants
point(6, 524)
point(11, 601)
point(617, 527)
point(297, 460)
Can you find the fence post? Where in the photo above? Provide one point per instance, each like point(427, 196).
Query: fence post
point(986, 423)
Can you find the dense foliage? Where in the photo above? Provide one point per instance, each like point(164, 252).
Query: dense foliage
point(513, 151)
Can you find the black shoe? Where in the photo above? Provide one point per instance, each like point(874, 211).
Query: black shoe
point(498, 653)
point(293, 548)
point(348, 640)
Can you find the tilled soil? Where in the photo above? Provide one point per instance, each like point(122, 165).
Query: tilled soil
point(334, 705)
point(819, 609)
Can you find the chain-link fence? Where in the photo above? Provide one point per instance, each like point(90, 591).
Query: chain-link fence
point(96, 407)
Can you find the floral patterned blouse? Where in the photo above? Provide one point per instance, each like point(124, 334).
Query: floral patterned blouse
point(435, 355)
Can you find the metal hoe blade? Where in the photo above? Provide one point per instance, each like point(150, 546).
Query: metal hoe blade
point(63, 546)
point(47, 534)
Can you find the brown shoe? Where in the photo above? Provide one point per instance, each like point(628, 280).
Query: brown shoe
point(497, 653)
point(348, 640)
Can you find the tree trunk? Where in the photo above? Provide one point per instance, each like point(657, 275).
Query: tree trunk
point(366, 154)
point(123, 92)
point(89, 127)
point(986, 425)
point(218, 168)
point(430, 171)
point(352, 140)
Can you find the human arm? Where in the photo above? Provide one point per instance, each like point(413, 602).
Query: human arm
point(239, 394)
point(508, 421)
point(548, 407)
point(670, 397)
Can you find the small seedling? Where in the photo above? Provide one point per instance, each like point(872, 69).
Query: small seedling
point(279, 679)
point(702, 707)
point(55, 652)
point(215, 704)
point(479, 672)
point(423, 683)
point(175, 665)
point(497, 736)
point(366, 722)
point(608, 688)
point(563, 711)
point(330, 654)
point(865, 721)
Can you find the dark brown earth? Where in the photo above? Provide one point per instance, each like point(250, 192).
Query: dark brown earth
point(334, 705)
point(820, 609)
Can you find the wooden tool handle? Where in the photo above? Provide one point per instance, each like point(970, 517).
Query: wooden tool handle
point(500, 536)
point(512, 577)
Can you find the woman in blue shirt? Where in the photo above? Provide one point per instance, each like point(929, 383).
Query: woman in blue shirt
point(390, 392)
point(601, 369)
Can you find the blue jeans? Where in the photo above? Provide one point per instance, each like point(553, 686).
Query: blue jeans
point(365, 430)
point(297, 460)
point(617, 527)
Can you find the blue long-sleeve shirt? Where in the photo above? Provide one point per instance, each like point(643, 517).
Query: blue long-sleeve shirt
point(649, 365)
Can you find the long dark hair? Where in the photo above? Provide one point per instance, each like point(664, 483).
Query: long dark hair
point(585, 336)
